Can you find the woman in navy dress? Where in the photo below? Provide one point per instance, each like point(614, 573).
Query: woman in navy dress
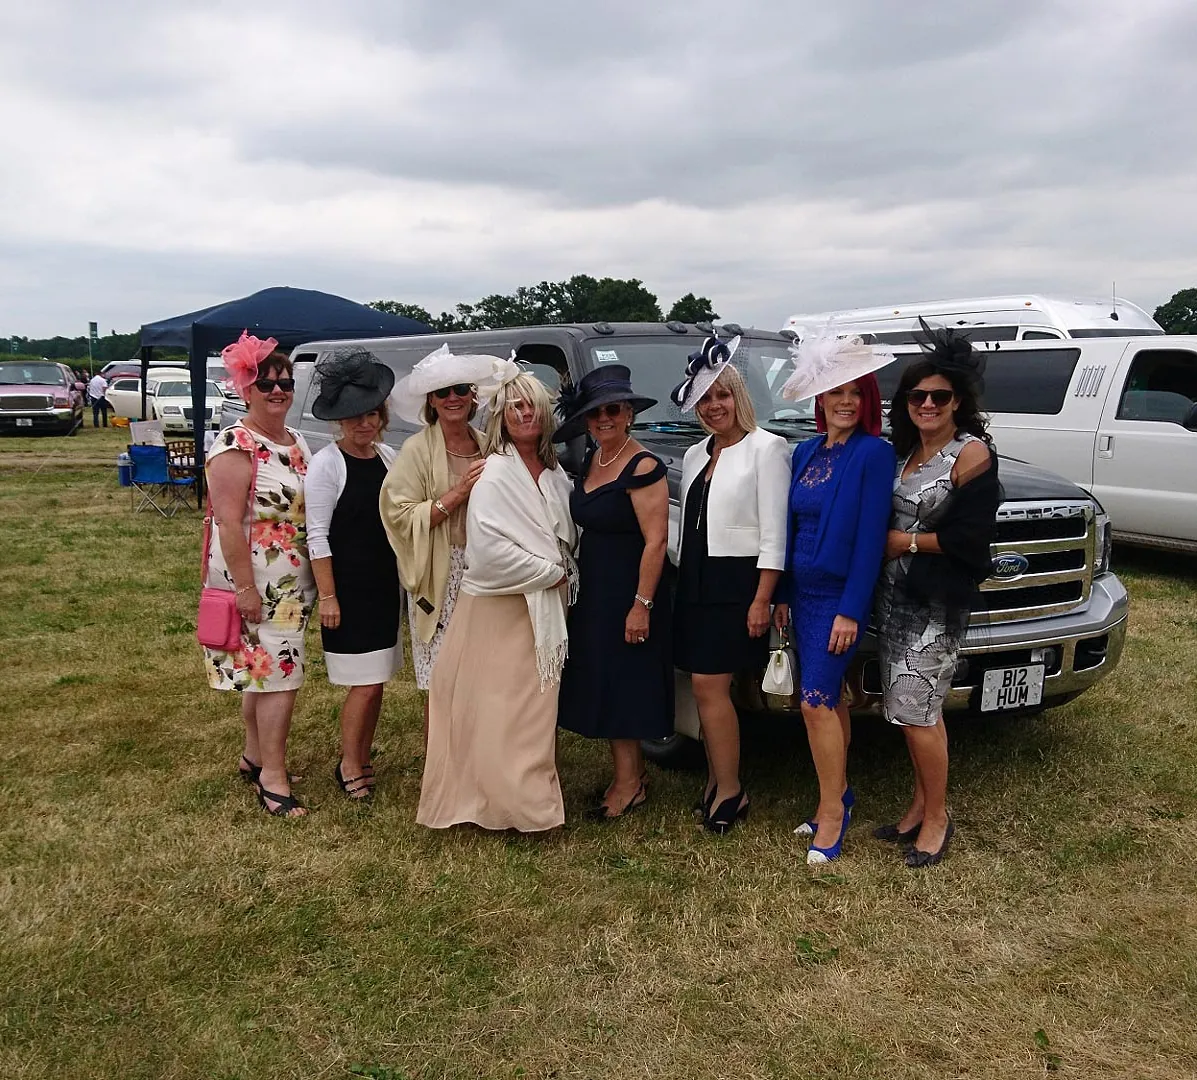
point(618, 679)
point(838, 519)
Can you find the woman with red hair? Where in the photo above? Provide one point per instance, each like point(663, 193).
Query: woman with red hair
point(838, 518)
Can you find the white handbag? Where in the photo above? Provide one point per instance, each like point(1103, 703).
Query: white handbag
point(779, 671)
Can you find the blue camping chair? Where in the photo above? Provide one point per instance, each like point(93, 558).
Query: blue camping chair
point(153, 483)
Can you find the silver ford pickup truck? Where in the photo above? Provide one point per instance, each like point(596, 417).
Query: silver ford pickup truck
point(1055, 617)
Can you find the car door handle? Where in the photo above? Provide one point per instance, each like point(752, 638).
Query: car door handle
point(1105, 446)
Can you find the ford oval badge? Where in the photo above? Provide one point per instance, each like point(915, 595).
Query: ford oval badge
point(1010, 566)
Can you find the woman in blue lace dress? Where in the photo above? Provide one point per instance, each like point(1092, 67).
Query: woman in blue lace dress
point(838, 518)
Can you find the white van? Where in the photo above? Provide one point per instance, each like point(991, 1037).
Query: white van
point(990, 318)
point(1116, 416)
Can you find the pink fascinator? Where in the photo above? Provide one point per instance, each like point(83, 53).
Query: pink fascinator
point(242, 358)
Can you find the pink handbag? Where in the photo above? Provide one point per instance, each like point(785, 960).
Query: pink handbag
point(218, 622)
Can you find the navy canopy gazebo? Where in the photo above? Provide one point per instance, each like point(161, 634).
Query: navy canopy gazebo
point(290, 316)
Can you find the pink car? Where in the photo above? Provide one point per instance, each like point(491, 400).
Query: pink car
point(39, 395)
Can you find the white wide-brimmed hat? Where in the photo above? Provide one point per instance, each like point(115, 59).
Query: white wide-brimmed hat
point(703, 368)
point(825, 360)
point(436, 371)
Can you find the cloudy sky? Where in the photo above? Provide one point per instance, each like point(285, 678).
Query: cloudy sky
point(775, 155)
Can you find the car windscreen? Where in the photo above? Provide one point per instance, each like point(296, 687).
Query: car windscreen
point(27, 374)
point(659, 364)
point(183, 389)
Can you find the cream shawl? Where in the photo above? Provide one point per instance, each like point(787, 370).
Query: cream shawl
point(516, 529)
point(419, 475)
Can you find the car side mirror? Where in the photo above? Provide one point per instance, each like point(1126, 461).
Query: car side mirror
point(1190, 420)
point(572, 454)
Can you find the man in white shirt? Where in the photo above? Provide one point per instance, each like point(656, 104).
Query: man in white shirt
point(97, 390)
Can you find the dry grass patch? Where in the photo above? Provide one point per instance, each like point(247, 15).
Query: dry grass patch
point(156, 924)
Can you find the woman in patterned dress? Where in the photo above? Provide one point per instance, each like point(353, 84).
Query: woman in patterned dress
point(426, 492)
point(838, 513)
point(260, 552)
point(945, 499)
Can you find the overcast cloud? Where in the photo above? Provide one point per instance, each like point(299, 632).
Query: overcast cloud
point(775, 156)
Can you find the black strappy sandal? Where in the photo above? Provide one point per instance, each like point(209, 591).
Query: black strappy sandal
point(603, 813)
point(248, 771)
point(363, 791)
point(286, 803)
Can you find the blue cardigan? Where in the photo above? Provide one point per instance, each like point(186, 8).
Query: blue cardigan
point(855, 519)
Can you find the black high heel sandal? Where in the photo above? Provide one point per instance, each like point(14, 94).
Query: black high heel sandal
point(703, 807)
point(727, 813)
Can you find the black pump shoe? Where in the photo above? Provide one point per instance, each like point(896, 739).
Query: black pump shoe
point(917, 859)
point(891, 834)
point(724, 816)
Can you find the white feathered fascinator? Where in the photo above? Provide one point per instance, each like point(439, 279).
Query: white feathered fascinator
point(502, 371)
point(825, 360)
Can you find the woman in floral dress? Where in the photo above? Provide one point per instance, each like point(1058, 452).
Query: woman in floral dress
point(260, 552)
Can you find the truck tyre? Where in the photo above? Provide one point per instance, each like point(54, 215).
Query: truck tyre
point(675, 752)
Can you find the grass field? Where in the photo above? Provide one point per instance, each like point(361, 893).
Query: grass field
point(155, 923)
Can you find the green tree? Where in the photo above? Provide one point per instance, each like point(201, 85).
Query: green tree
point(408, 311)
point(1179, 315)
point(693, 309)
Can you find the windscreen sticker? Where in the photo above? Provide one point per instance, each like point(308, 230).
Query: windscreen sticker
point(606, 356)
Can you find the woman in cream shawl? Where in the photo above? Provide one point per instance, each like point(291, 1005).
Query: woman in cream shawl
point(491, 756)
point(424, 497)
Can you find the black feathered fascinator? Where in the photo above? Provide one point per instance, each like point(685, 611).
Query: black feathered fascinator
point(952, 353)
point(352, 381)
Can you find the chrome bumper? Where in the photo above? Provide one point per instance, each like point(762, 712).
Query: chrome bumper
point(1088, 643)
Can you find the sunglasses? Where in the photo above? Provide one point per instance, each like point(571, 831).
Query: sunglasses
point(461, 389)
point(610, 410)
point(266, 385)
point(939, 398)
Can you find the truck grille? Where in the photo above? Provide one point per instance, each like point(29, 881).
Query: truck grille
point(25, 402)
point(188, 412)
point(1057, 540)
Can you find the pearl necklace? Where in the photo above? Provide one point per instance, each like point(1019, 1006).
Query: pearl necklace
point(603, 464)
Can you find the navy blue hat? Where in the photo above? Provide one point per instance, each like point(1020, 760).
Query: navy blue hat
point(605, 384)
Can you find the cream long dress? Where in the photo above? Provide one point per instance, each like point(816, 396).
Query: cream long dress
point(492, 725)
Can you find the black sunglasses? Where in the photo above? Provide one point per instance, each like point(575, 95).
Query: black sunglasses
point(610, 410)
point(939, 398)
point(266, 385)
point(461, 389)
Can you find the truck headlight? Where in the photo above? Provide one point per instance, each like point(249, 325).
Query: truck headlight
point(172, 410)
point(1104, 546)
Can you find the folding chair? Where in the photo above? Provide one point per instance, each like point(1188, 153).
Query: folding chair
point(181, 468)
point(151, 479)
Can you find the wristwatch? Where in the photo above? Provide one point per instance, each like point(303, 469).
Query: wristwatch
point(914, 544)
point(648, 604)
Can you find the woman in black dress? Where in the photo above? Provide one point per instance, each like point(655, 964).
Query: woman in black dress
point(355, 569)
point(731, 554)
point(618, 680)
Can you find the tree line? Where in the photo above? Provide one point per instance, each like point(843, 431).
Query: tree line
point(581, 299)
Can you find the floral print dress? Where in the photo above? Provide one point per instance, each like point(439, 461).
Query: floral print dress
point(271, 653)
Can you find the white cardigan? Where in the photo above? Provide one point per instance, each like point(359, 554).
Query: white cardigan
point(747, 503)
point(322, 488)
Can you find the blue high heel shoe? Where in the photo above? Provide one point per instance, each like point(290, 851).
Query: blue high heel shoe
point(817, 856)
point(809, 828)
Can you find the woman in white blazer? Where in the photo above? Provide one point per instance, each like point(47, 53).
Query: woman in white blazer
point(731, 553)
point(352, 561)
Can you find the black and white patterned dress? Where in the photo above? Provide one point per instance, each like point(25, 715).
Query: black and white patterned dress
point(919, 640)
